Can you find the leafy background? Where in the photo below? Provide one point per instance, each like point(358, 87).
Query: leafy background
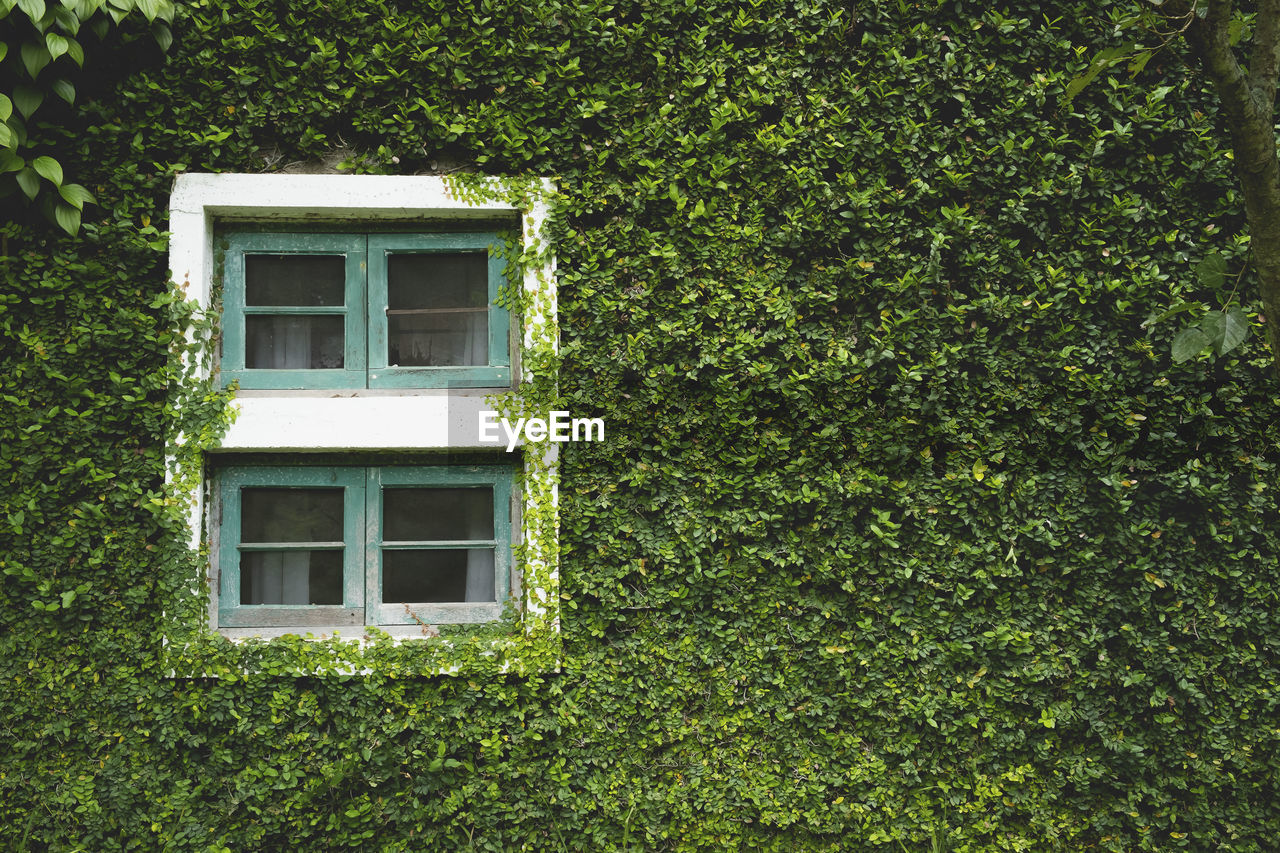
point(907, 532)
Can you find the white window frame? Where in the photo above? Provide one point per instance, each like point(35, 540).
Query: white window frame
point(330, 420)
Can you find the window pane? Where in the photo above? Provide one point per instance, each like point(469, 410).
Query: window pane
point(306, 342)
point(291, 577)
point(290, 515)
point(425, 515)
point(437, 575)
point(295, 280)
point(438, 309)
point(438, 280)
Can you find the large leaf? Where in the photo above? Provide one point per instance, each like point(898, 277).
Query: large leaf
point(1214, 326)
point(63, 89)
point(1212, 271)
point(56, 44)
point(75, 195)
point(75, 51)
point(1104, 60)
point(27, 99)
point(10, 162)
point(1236, 329)
point(7, 137)
point(29, 181)
point(35, 57)
point(1189, 343)
point(48, 168)
point(6, 107)
point(163, 35)
point(68, 217)
point(34, 9)
point(1177, 309)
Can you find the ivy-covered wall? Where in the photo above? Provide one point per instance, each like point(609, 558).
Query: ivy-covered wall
point(907, 534)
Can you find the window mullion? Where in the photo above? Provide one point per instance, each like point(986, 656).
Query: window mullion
point(371, 537)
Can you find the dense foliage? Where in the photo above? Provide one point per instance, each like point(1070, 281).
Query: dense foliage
point(907, 530)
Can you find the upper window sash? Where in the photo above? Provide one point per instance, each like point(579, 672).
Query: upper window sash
point(365, 312)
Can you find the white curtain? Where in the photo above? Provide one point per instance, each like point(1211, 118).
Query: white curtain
point(286, 344)
point(281, 578)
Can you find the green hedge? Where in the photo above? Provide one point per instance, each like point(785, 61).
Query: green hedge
point(907, 531)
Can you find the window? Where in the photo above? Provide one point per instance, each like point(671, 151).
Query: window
point(388, 545)
point(360, 323)
point(336, 310)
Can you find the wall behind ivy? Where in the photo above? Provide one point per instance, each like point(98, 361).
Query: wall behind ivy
point(906, 529)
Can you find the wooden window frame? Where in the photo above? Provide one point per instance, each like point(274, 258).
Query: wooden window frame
point(364, 310)
point(363, 545)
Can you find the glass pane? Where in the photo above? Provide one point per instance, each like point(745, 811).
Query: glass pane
point(291, 577)
point(305, 342)
point(295, 280)
point(425, 515)
point(437, 575)
point(438, 309)
point(290, 515)
point(438, 280)
point(438, 340)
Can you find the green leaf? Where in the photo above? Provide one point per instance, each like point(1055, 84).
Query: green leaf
point(27, 99)
point(6, 107)
point(163, 35)
point(1236, 329)
point(29, 181)
point(1104, 60)
point(1139, 62)
point(35, 57)
point(75, 195)
point(1177, 309)
point(7, 138)
point(68, 218)
point(1189, 343)
point(11, 162)
point(63, 89)
point(67, 19)
point(48, 168)
point(75, 51)
point(56, 44)
point(33, 8)
point(1212, 271)
point(149, 8)
point(4, 50)
point(1214, 326)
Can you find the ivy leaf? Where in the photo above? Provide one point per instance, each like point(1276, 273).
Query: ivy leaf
point(63, 89)
point(1236, 329)
point(1189, 343)
point(68, 218)
point(56, 44)
point(35, 57)
point(34, 9)
point(29, 181)
point(27, 99)
point(1212, 271)
point(75, 51)
point(75, 195)
point(11, 162)
point(163, 35)
point(48, 168)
